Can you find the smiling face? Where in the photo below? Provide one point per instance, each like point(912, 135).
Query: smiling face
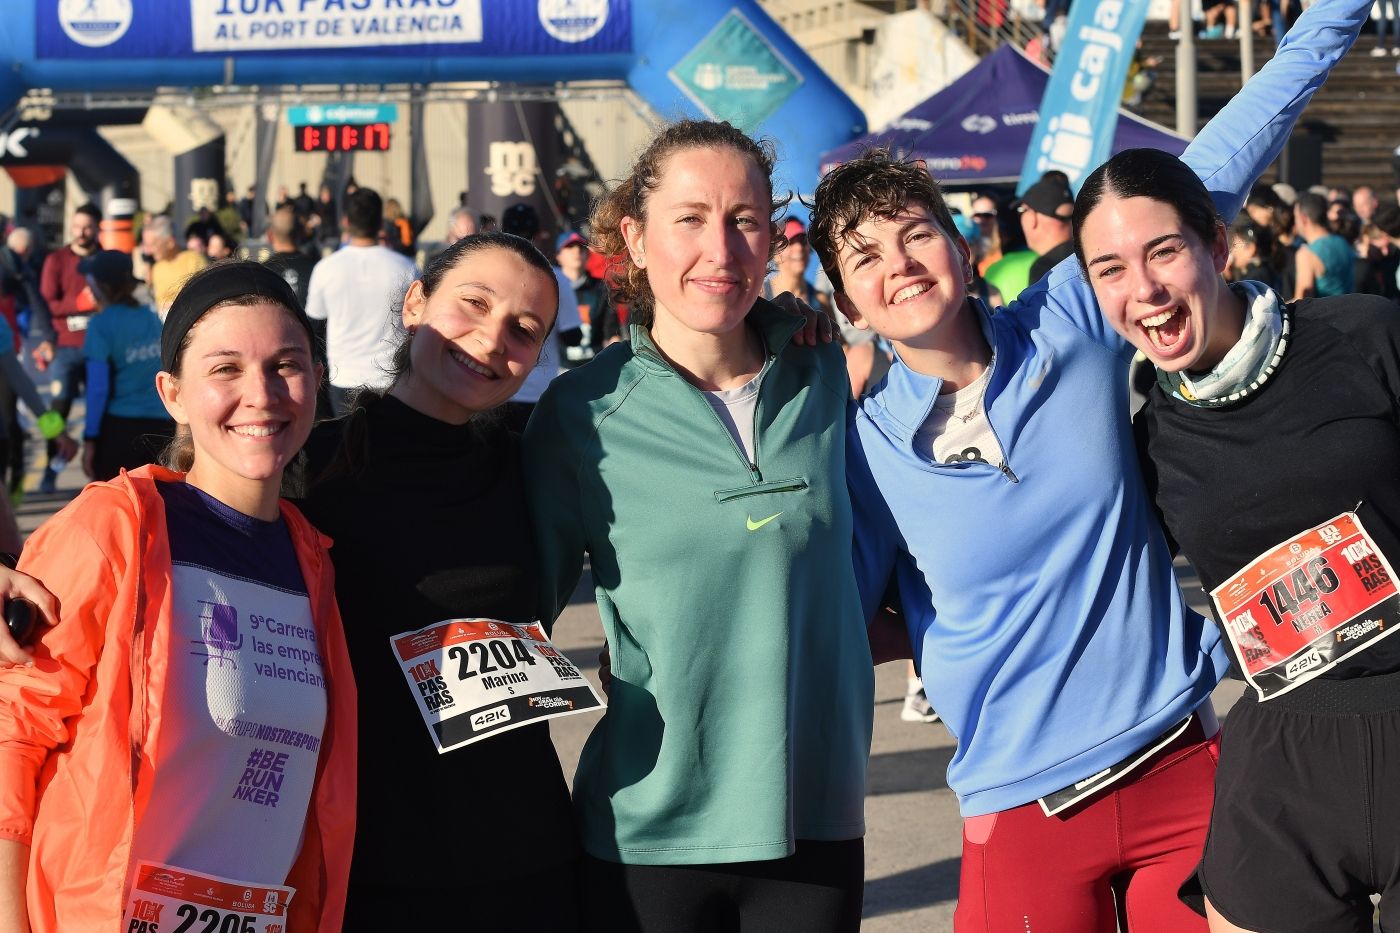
point(794, 257)
point(904, 276)
point(246, 390)
point(478, 335)
point(703, 244)
point(1158, 284)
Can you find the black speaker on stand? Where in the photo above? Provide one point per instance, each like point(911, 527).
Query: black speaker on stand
point(1300, 164)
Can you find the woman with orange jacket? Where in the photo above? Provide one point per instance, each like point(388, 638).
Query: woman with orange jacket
point(182, 747)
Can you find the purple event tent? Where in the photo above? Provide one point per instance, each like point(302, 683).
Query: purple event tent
point(978, 128)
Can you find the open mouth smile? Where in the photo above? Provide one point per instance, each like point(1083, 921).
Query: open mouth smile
point(1166, 330)
point(909, 292)
point(472, 364)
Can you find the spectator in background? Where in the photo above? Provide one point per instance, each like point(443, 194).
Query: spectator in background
point(303, 204)
point(986, 214)
point(1214, 11)
point(19, 283)
point(291, 263)
point(1267, 208)
point(1364, 202)
point(791, 275)
point(1045, 210)
point(220, 246)
point(398, 231)
point(170, 265)
point(127, 425)
point(197, 239)
point(1382, 254)
point(326, 221)
point(1324, 263)
point(230, 223)
point(1387, 14)
point(350, 290)
point(70, 307)
point(245, 208)
point(521, 220)
point(979, 287)
point(19, 293)
point(460, 223)
point(598, 317)
point(1252, 255)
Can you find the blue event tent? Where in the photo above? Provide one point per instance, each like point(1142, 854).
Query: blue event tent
point(978, 128)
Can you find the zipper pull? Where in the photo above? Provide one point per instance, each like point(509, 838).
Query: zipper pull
point(1006, 470)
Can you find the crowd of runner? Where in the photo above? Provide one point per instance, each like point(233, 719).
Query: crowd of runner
point(333, 498)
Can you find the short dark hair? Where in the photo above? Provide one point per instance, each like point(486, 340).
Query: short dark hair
point(874, 184)
point(1154, 174)
point(522, 220)
point(1266, 197)
point(1347, 226)
point(1313, 207)
point(92, 210)
point(1387, 219)
point(364, 212)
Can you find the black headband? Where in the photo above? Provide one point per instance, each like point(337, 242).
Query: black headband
point(216, 284)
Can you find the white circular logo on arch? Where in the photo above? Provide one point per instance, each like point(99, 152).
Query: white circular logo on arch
point(94, 23)
point(573, 20)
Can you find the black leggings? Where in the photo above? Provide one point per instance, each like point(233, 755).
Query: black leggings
point(818, 889)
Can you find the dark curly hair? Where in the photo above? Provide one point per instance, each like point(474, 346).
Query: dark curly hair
point(628, 198)
point(873, 185)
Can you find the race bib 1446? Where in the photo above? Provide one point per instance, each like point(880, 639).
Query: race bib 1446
point(473, 678)
point(1307, 604)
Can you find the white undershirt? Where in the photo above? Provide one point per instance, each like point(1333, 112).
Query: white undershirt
point(736, 408)
point(957, 429)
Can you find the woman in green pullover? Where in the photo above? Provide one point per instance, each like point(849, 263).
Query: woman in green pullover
point(701, 469)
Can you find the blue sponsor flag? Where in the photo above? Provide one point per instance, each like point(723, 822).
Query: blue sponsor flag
point(1079, 112)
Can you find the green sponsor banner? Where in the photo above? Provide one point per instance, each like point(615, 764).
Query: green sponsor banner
point(735, 74)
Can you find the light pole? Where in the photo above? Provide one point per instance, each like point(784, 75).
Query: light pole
point(1186, 72)
point(1246, 20)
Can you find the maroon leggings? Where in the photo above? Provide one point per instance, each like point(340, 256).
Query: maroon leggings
point(1122, 854)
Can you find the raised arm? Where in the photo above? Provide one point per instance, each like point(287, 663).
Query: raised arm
point(1244, 138)
point(1234, 148)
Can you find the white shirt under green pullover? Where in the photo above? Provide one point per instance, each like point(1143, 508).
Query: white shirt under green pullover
point(740, 709)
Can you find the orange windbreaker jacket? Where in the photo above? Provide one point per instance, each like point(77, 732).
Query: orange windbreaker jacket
point(80, 730)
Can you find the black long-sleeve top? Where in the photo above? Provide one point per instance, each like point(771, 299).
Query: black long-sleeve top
point(432, 526)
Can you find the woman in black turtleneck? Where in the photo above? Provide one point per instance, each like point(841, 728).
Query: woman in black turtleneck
point(421, 492)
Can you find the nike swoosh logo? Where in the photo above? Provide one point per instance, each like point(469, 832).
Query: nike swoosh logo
point(754, 526)
point(1044, 371)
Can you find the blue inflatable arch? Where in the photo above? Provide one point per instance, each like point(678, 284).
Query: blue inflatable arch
point(720, 58)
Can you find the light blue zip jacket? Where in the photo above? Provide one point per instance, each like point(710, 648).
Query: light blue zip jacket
point(1040, 599)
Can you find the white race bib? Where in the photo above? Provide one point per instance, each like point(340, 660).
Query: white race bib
point(166, 899)
point(472, 678)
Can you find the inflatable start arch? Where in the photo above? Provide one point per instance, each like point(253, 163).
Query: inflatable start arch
point(720, 58)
